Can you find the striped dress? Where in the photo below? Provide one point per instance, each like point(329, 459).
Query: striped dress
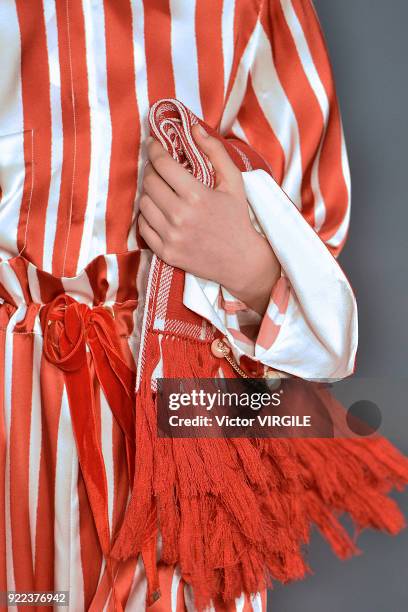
point(77, 78)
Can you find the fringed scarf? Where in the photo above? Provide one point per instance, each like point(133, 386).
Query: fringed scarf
point(234, 514)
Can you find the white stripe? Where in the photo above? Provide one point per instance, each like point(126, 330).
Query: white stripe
point(74, 559)
point(184, 53)
point(239, 603)
point(319, 205)
point(79, 288)
point(51, 31)
point(12, 176)
point(275, 315)
point(142, 96)
point(305, 56)
point(9, 279)
point(188, 597)
point(101, 134)
point(8, 377)
point(112, 278)
point(256, 601)
point(238, 131)
point(35, 291)
point(11, 104)
point(341, 232)
point(279, 113)
point(175, 582)
point(137, 597)
point(64, 478)
point(146, 312)
point(107, 451)
point(344, 159)
point(237, 92)
point(158, 370)
point(35, 440)
point(309, 67)
point(228, 13)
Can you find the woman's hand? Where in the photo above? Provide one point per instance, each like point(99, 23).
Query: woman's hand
point(206, 232)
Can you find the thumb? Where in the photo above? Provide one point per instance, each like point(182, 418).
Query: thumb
point(228, 175)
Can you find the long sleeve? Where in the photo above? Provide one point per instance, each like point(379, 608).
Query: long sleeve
point(290, 115)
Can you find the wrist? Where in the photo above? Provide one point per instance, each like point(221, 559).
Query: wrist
point(253, 279)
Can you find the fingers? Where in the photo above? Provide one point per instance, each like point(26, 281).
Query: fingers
point(152, 238)
point(177, 177)
point(226, 171)
point(159, 191)
point(152, 214)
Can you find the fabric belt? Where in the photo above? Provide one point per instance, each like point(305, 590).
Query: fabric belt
point(70, 328)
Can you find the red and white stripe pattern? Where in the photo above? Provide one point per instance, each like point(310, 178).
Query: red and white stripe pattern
point(170, 121)
point(77, 79)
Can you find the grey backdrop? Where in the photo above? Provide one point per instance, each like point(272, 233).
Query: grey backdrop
point(368, 45)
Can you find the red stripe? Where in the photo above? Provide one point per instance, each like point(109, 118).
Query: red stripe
point(332, 182)
point(128, 265)
point(210, 58)
point(301, 97)
point(119, 475)
point(50, 286)
point(91, 554)
point(157, 29)
point(123, 584)
point(96, 271)
point(19, 267)
point(245, 19)
point(22, 374)
point(102, 594)
point(255, 125)
point(6, 296)
point(52, 383)
point(3, 452)
point(37, 116)
point(158, 58)
point(125, 123)
point(97, 399)
point(77, 142)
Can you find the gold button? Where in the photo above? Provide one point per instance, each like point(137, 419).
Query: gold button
point(271, 374)
point(219, 348)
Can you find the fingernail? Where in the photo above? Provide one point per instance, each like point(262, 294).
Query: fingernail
point(202, 131)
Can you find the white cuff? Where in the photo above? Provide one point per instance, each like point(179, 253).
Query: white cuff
point(318, 337)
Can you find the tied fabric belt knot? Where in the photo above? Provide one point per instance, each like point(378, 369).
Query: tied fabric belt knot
point(69, 327)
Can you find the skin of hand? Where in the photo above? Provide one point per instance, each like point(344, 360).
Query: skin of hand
point(204, 231)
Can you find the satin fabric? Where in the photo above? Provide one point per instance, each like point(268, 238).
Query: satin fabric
point(76, 82)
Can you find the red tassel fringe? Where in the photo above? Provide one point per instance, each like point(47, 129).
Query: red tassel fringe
point(236, 513)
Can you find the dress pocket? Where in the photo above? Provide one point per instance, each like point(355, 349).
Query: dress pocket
point(16, 189)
